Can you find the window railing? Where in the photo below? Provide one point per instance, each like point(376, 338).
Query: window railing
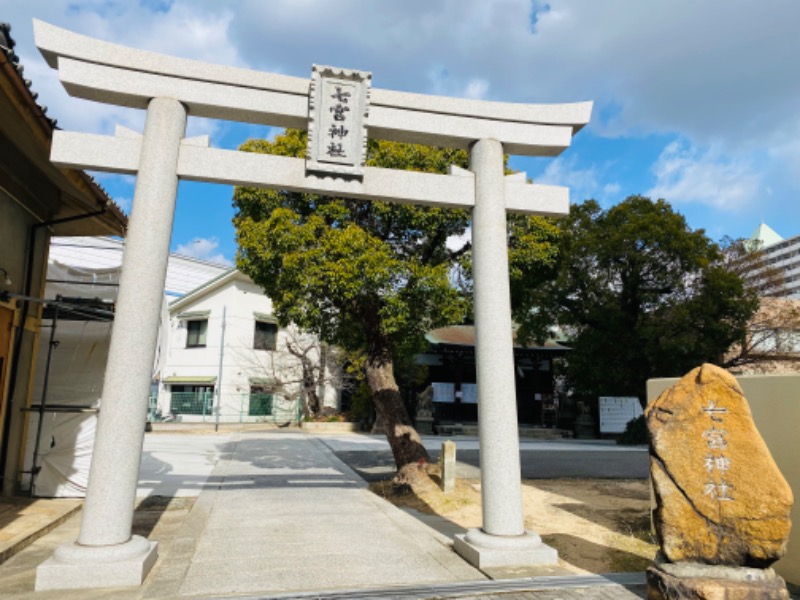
point(191, 403)
point(234, 408)
point(259, 405)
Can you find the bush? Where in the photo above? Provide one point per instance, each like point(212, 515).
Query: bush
point(361, 403)
point(635, 432)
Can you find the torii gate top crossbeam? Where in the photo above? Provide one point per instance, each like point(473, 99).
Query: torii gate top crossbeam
point(107, 72)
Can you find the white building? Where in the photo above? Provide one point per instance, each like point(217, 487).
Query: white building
point(259, 379)
point(225, 348)
point(782, 254)
point(771, 344)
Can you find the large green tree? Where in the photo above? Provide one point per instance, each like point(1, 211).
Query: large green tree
point(371, 277)
point(640, 295)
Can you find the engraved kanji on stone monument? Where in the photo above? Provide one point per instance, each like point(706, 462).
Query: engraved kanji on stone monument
point(716, 465)
point(338, 105)
point(722, 507)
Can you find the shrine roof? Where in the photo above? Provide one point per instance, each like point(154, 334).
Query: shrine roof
point(464, 335)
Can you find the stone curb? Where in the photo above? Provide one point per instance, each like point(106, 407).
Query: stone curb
point(35, 532)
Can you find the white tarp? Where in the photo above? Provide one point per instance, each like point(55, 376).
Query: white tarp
point(75, 380)
point(66, 453)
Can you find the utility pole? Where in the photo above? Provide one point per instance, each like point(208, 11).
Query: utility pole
point(218, 404)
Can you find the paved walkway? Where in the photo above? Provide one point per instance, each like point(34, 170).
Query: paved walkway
point(371, 457)
point(277, 514)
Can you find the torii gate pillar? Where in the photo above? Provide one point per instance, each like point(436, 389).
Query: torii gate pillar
point(502, 541)
point(106, 554)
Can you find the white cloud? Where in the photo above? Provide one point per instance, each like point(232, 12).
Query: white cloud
point(785, 149)
point(712, 71)
point(477, 89)
point(456, 242)
point(196, 126)
point(582, 183)
point(611, 190)
point(709, 70)
point(193, 29)
point(203, 249)
point(685, 174)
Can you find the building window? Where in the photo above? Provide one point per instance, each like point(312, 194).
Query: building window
point(196, 334)
point(266, 336)
point(191, 399)
point(260, 401)
point(444, 392)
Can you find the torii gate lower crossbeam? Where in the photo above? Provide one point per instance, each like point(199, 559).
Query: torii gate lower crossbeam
point(106, 554)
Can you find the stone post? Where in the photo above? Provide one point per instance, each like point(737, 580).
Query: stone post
point(448, 466)
point(106, 554)
point(502, 541)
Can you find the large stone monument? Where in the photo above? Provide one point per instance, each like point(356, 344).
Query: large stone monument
point(722, 505)
point(338, 107)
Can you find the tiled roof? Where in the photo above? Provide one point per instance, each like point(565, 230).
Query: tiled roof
point(7, 44)
point(13, 69)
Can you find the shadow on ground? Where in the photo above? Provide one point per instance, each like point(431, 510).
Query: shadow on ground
point(154, 510)
point(584, 554)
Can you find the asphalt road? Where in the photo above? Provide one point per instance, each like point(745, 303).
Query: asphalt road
point(540, 460)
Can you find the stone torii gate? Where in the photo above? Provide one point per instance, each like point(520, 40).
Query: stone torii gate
point(338, 108)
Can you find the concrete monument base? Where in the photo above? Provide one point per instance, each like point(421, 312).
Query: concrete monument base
point(715, 583)
point(686, 579)
point(483, 550)
point(73, 566)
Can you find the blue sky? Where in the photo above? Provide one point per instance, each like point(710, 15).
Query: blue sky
point(695, 102)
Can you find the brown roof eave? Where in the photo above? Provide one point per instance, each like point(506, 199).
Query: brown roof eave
point(112, 222)
point(86, 196)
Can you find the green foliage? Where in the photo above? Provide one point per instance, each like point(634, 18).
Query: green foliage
point(640, 295)
point(533, 255)
point(358, 273)
point(361, 403)
point(635, 432)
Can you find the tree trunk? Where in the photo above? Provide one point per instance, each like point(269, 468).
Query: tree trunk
point(410, 455)
point(304, 406)
point(311, 401)
point(310, 386)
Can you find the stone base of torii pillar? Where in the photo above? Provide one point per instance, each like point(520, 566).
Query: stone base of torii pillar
point(482, 550)
point(74, 566)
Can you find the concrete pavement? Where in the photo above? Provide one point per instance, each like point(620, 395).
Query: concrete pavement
point(277, 514)
point(371, 458)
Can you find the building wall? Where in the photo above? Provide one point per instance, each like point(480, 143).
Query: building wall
point(772, 343)
point(19, 360)
point(785, 255)
point(775, 403)
point(241, 300)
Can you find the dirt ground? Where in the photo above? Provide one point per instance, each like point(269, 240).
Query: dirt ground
point(597, 525)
